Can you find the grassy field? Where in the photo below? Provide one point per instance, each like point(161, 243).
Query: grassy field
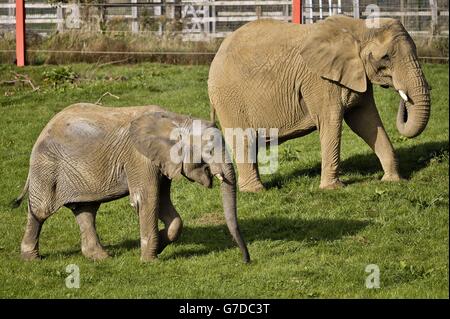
point(304, 242)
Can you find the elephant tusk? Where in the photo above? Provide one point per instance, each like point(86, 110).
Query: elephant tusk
point(403, 95)
point(219, 177)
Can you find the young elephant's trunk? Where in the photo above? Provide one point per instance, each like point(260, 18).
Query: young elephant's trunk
point(228, 190)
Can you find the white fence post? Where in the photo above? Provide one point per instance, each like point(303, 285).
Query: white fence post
point(402, 9)
point(213, 16)
point(60, 17)
point(134, 15)
point(309, 7)
point(157, 11)
point(205, 16)
point(356, 9)
point(170, 10)
point(320, 10)
point(11, 12)
point(335, 9)
point(434, 17)
point(72, 18)
point(286, 12)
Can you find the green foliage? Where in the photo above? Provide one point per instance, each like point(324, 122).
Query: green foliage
point(304, 242)
point(53, 49)
point(60, 75)
point(432, 46)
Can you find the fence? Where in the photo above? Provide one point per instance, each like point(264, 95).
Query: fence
point(420, 17)
point(195, 19)
point(202, 19)
point(208, 20)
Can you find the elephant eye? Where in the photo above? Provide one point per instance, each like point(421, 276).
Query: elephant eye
point(385, 57)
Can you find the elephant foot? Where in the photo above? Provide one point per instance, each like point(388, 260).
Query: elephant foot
point(334, 185)
point(254, 187)
point(148, 258)
point(95, 254)
point(169, 235)
point(30, 255)
point(392, 178)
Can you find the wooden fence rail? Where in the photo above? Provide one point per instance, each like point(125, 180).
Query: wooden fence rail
point(202, 19)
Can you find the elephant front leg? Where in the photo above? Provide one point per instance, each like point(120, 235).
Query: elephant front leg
point(366, 123)
point(90, 243)
point(147, 209)
point(145, 192)
point(170, 217)
point(248, 178)
point(330, 130)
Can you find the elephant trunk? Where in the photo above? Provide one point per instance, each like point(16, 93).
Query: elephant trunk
point(228, 190)
point(414, 108)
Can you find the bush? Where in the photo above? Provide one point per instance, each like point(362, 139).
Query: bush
point(88, 46)
point(91, 47)
point(60, 75)
point(433, 47)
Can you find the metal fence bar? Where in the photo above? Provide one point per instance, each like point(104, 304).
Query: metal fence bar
point(356, 9)
point(297, 11)
point(20, 32)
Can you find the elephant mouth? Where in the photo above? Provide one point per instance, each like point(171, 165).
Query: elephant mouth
point(404, 116)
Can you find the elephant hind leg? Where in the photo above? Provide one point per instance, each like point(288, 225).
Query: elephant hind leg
point(170, 217)
point(29, 248)
point(90, 244)
point(42, 203)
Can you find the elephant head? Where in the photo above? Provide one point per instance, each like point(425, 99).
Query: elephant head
point(350, 51)
point(178, 144)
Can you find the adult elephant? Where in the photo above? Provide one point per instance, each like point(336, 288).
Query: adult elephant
point(89, 154)
point(299, 78)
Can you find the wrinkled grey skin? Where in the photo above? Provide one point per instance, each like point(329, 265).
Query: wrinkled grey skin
point(302, 78)
point(88, 154)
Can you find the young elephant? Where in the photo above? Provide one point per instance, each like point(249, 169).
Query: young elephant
point(88, 155)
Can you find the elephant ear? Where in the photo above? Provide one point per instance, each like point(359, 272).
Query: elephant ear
point(332, 52)
point(151, 136)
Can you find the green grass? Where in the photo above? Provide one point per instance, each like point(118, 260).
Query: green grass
point(304, 242)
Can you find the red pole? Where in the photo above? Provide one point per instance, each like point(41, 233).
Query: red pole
point(20, 32)
point(297, 11)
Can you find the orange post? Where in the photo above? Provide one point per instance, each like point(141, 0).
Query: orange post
point(297, 11)
point(20, 32)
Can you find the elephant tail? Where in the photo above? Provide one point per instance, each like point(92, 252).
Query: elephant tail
point(16, 202)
